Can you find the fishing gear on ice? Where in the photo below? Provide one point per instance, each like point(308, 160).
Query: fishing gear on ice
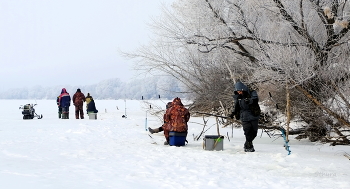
point(29, 111)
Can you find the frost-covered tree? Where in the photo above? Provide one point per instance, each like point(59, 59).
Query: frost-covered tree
point(301, 44)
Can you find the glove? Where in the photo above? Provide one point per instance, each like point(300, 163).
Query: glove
point(231, 115)
point(237, 116)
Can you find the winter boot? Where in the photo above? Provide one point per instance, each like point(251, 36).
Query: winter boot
point(153, 130)
point(65, 116)
point(248, 147)
point(166, 142)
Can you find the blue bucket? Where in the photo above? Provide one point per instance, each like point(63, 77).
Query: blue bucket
point(177, 138)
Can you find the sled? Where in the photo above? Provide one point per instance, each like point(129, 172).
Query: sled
point(29, 111)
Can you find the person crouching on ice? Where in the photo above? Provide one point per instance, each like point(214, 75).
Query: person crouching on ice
point(176, 118)
point(161, 128)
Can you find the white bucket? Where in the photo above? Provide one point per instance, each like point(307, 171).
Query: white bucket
point(92, 115)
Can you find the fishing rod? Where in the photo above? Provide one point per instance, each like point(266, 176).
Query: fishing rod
point(225, 117)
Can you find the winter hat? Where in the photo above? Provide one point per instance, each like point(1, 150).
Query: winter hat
point(239, 86)
point(168, 105)
point(64, 90)
point(78, 90)
point(177, 101)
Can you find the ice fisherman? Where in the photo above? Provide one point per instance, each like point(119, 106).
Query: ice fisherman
point(161, 128)
point(176, 118)
point(91, 107)
point(78, 101)
point(88, 99)
point(247, 110)
point(63, 104)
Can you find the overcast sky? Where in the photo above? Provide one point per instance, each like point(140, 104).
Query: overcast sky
point(73, 42)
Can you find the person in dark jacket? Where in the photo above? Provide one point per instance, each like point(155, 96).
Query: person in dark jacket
point(64, 103)
point(244, 101)
point(78, 101)
point(88, 99)
point(91, 108)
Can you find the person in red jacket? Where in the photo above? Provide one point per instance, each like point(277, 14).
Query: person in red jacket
point(63, 102)
point(78, 101)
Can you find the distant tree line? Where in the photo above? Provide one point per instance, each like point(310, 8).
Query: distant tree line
point(148, 88)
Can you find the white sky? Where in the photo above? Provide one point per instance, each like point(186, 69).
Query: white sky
point(73, 42)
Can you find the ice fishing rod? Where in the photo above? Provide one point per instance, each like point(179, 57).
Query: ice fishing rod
point(161, 99)
point(158, 97)
point(283, 131)
point(286, 145)
point(273, 100)
point(124, 116)
point(150, 107)
point(225, 117)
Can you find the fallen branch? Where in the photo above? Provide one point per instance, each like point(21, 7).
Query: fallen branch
point(319, 104)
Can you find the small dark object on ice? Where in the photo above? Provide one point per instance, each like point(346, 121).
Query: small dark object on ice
point(29, 111)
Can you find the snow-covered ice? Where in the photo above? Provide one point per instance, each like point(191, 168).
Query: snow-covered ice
point(114, 152)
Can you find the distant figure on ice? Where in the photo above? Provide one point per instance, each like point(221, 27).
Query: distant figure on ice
point(63, 102)
point(91, 108)
point(78, 101)
point(59, 107)
point(176, 118)
point(161, 128)
point(88, 99)
point(247, 110)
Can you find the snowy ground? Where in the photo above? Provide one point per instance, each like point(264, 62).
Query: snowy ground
point(113, 152)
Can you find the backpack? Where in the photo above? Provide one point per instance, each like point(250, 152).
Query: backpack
point(254, 107)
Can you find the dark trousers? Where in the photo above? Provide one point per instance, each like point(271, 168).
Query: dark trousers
point(59, 112)
point(79, 111)
point(65, 112)
point(250, 129)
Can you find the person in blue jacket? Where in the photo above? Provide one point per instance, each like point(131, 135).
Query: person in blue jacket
point(64, 103)
point(245, 109)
